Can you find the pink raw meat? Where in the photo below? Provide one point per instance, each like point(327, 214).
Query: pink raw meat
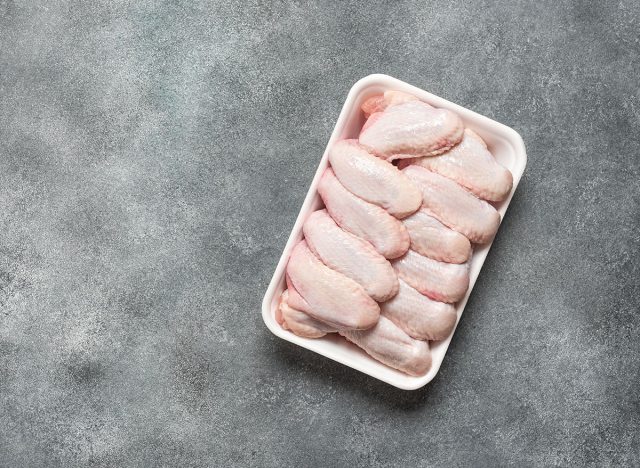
point(373, 179)
point(363, 219)
point(419, 316)
point(454, 207)
point(380, 102)
point(431, 238)
point(411, 129)
point(350, 255)
point(444, 282)
point(298, 322)
point(387, 343)
point(471, 165)
point(327, 295)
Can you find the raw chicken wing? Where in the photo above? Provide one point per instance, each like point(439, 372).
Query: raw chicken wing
point(454, 206)
point(373, 179)
point(410, 130)
point(444, 282)
point(420, 317)
point(298, 322)
point(471, 165)
point(387, 343)
point(382, 101)
point(363, 219)
point(431, 238)
point(327, 295)
point(350, 255)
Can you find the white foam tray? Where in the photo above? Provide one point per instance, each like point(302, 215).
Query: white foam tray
point(505, 144)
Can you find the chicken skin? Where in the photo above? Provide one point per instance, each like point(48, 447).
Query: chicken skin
point(373, 179)
point(420, 317)
point(431, 238)
point(471, 165)
point(298, 322)
point(387, 343)
point(326, 295)
point(350, 255)
point(411, 129)
point(455, 207)
point(363, 219)
point(444, 282)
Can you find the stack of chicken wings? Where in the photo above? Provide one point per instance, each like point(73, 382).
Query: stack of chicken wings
point(386, 260)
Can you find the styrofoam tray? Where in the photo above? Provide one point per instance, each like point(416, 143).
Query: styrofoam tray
point(505, 144)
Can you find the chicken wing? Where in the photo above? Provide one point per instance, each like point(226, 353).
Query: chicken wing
point(387, 343)
point(420, 317)
point(431, 238)
point(454, 206)
point(380, 102)
point(298, 322)
point(350, 255)
point(410, 130)
point(327, 295)
point(363, 219)
point(471, 165)
point(373, 179)
point(444, 282)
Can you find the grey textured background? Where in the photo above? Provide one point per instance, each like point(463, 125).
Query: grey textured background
point(153, 157)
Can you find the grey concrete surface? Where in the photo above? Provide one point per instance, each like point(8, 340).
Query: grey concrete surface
point(153, 157)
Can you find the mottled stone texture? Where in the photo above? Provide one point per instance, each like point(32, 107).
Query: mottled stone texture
point(153, 158)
